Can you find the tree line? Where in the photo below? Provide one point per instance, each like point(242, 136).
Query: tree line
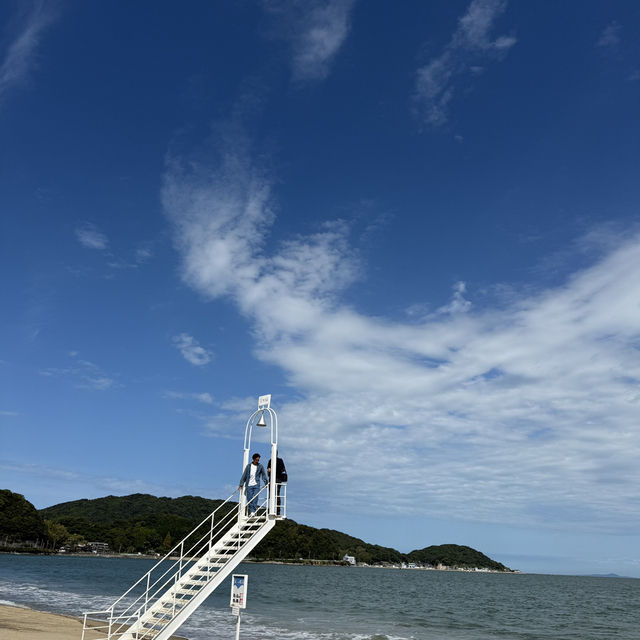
point(141, 523)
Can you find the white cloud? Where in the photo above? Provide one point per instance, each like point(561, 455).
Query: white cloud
point(471, 43)
point(191, 351)
point(89, 236)
point(610, 36)
point(100, 383)
point(20, 55)
point(458, 303)
point(316, 30)
point(181, 395)
point(524, 413)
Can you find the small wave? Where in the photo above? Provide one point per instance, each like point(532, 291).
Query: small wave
point(9, 603)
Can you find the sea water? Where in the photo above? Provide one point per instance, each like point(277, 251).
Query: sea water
point(351, 603)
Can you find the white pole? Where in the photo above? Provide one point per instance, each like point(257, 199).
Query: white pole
point(272, 479)
point(238, 627)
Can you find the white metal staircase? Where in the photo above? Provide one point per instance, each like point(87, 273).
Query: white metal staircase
point(162, 600)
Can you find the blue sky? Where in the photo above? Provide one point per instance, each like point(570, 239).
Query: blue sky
point(415, 225)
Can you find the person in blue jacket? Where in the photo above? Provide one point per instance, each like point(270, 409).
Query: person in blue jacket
point(253, 473)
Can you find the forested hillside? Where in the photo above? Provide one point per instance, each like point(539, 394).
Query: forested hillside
point(142, 523)
point(136, 506)
point(20, 524)
point(19, 519)
point(454, 555)
point(138, 523)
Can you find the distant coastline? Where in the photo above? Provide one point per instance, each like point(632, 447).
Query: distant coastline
point(294, 563)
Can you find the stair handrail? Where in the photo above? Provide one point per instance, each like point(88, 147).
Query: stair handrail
point(124, 618)
point(172, 551)
point(153, 589)
point(140, 605)
point(133, 612)
point(176, 577)
point(202, 541)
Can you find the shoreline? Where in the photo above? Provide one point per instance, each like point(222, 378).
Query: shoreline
point(293, 563)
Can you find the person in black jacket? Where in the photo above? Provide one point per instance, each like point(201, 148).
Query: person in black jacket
point(281, 476)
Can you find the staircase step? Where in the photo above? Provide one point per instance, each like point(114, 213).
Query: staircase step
point(155, 621)
point(158, 617)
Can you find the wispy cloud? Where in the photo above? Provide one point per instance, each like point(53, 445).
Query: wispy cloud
point(181, 395)
point(610, 37)
point(191, 351)
point(316, 30)
point(143, 253)
point(525, 412)
point(470, 45)
point(83, 373)
point(20, 56)
point(89, 236)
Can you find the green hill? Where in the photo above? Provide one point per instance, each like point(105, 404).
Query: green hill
point(19, 520)
point(144, 523)
point(290, 540)
point(131, 524)
point(454, 555)
point(135, 506)
point(21, 526)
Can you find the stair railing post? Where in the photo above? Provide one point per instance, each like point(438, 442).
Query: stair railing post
point(146, 593)
point(181, 557)
point(175, 589)
point(210, 547)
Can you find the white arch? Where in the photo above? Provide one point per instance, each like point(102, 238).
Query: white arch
point(265, 409)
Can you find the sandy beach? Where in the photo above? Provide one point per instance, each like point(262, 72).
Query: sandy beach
point(18, 623)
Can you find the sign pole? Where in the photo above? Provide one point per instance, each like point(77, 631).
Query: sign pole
point(238, 627)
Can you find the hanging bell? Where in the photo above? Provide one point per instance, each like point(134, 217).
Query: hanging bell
point(262, 422)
